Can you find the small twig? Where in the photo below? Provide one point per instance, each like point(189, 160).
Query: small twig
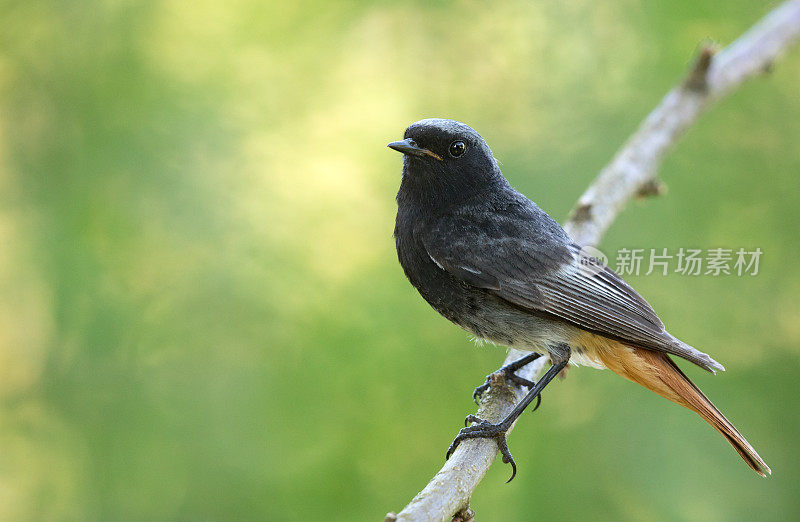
point(698, 77)
point(631, 173)
point(465, 515)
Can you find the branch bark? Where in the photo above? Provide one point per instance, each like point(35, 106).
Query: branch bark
point(632, 173)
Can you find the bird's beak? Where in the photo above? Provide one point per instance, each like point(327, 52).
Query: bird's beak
point(410, 148)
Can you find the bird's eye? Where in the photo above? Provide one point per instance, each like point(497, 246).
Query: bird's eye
point(457, 148)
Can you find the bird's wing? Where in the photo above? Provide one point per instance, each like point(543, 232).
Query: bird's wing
point(539, 268)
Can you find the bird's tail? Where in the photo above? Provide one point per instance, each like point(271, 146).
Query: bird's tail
point(658, 373)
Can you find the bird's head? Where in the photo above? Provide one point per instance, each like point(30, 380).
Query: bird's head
point(445, 161)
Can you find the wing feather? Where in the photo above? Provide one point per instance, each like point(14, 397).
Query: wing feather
point(538, 268)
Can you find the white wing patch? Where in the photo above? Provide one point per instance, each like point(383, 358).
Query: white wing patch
point(435, 261)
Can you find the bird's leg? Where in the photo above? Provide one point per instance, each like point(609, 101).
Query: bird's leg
point(483, 429)
point(507, 372)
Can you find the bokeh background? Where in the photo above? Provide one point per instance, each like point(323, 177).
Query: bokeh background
point(201, 311)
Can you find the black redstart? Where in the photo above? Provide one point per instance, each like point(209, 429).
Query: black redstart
point(491, 261)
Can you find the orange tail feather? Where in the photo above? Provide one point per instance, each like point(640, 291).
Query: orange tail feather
point(658, 373)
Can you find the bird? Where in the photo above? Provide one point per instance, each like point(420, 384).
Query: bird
point(491, 261)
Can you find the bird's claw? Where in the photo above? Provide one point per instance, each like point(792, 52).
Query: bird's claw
point(478, 391)
point(469, 419)
point(483, 429)
point(509, 375)
point(538, 403)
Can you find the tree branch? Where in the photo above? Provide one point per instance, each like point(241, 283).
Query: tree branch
point(632, 173)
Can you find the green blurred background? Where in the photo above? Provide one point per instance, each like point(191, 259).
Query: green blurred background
point(201, 311)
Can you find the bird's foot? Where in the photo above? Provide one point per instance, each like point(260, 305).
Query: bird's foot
point(508, 376)
point(507, 373)
point(483, 429)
